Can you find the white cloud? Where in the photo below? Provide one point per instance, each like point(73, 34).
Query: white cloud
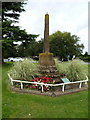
point(84, 37)
point(65, 15)
point(54, 1)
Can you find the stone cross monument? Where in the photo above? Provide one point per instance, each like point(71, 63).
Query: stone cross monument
point(46, 58)
point(46, 34)
point(46, 61)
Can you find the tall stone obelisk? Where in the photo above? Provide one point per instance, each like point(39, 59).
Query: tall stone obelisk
point(46, 34)
point(46, 58)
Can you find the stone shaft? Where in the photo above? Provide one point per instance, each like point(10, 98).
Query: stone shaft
point(46, 34)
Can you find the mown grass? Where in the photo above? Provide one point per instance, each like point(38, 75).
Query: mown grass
point(0, 91)
point(16, 105)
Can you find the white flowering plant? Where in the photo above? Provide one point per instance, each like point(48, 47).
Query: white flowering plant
point(74, 70)
point(24, 70)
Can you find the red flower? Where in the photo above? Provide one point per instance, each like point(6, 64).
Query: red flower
point(32, 80)
point(47, 81)
point(54, 81)
point(43, 81)
point(43, 77)
point(36, 79)
point(26, 85)
point(33, 86)
point(45, 88)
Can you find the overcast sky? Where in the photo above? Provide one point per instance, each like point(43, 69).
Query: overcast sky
point(65, 15)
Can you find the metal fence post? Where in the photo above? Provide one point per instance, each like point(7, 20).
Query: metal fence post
point(86, 84)
point(21, 85)
point(11, 82)
point(80, 85)
point(63, 87)
point(42, 88)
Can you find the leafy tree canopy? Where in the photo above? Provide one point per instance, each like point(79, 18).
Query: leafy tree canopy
point(64, 45)
point(12, 10)
point(11, 33)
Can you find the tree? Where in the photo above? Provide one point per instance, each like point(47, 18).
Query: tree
point(65, 45)
point(12, 10)
point(12, 33)
point(10, 15)
point(86, 54)
point(27, 47)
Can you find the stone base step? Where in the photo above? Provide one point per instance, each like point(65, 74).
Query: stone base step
point(48, 71)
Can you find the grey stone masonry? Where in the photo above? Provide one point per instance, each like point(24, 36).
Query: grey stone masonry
point(46, 34)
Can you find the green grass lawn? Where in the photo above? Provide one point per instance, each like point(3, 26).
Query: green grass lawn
point(0, 91)
point(17, 105)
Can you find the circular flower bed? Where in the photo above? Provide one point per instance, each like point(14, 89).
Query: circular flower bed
point(43, 79)
point(33, 86)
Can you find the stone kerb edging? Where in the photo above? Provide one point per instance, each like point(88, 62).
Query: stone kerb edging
point(51, 93)
point(43, 84)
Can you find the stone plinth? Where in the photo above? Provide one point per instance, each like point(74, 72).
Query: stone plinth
point(46, 59)
point(47, 66)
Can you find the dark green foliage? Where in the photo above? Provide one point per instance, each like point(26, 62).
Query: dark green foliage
point(28, 46)
point(35, 48)
point(63, 44)
point(13, 8)
point(85, 57)
point(11, 33)
point(32, 48)
point(10, 14)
